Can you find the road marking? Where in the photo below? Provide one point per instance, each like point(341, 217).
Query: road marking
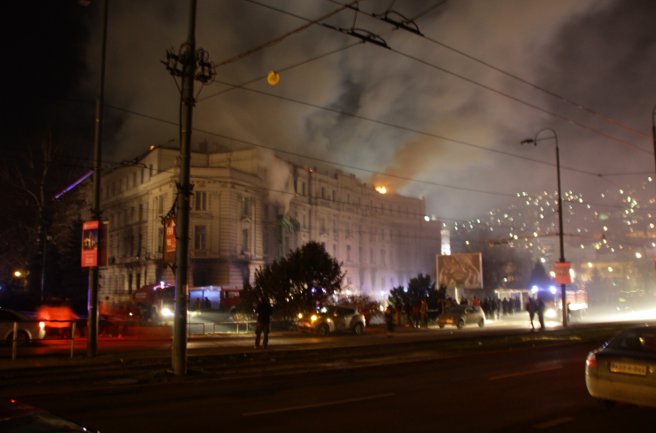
point(554, 423)
point(316, 405)
point(525, 372)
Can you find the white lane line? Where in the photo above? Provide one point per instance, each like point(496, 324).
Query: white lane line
point(315, 405)
point(525, 372)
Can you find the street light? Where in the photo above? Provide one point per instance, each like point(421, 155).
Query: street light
point(554, 136)
point(653, 133)
point(96, 213)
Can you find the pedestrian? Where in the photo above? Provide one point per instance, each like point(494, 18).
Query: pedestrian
point(541, 307)
point(423, 309)
point(389, 320)
point(532, 308)
point(263, 311)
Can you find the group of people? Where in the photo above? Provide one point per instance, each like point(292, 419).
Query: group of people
point(534, 307)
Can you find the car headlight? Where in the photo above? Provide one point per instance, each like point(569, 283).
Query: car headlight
point(314, 318)
point(300, 316)
point(166, 312)
point(42, 325)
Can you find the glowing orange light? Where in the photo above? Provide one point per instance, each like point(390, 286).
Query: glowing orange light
point(381, 189)
point(273, 78)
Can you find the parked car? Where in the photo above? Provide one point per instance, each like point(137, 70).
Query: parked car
point(624, 368)
point(462, 315)
point(333, 318)
point(16, 416)
point(29, 329)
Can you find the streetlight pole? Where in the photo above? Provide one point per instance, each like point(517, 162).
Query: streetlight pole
point(563, 287)
point(653, 133)
point(92, 325)
point(189, 64)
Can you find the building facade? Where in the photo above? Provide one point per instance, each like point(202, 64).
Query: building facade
point(250, 207)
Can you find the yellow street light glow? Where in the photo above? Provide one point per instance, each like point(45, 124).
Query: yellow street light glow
point(18, 274)
point(381, 189)
point(273, 78)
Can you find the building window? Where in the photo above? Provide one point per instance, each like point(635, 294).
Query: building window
point(200, 237)
point(160, 239)
point(244, 241)
point(246, 207)
point(348, 253)
point(200, 201)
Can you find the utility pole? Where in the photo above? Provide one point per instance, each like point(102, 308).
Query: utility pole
point(92, 324)
point(561, 234)
point(189, 65)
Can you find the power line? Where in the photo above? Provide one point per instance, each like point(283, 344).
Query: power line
point(489, 88)
point(577, 105)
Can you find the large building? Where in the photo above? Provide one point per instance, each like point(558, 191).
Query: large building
point(250, 207)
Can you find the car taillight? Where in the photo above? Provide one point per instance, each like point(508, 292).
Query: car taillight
point(591, 361)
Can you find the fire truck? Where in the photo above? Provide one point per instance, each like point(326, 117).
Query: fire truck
point(156, 302)
point(576, 300)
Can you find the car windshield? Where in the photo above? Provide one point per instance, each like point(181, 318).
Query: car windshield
point(335, 310)
point(457, 309)
point(641, 340)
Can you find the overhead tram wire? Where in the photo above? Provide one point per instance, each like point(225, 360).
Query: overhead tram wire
point(489, 88)
point(608, 119)
point(388, 124)
point(412, 130)
point(244, 84)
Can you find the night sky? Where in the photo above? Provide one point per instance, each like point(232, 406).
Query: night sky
point(438, 116)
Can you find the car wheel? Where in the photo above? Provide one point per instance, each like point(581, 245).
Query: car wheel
point(481, 323)
point(323, 330)
point(461, 324)
point(358, 329)
point(21, 338)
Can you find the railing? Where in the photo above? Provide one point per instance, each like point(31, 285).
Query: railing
point(236, 327)
point(15, 339)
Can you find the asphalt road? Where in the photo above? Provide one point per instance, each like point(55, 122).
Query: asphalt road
point(531, 389)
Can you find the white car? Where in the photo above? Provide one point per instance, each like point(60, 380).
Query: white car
point(333, 318)
point(624, 369)
point(28, 329)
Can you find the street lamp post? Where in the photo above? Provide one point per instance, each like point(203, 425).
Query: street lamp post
point(92, 325)
point(563, 287)
point(653, 133)
point(189, 64)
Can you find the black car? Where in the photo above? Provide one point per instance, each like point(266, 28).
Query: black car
point(21, 417)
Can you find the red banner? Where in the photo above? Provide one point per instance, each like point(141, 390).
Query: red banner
point(91, 256)
point(169, 241)
point(561, 269)
point(90, 244)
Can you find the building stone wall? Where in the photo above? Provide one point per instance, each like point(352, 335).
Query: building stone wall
point(249, 208)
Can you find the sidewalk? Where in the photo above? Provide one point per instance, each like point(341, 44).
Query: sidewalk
point(153, 343)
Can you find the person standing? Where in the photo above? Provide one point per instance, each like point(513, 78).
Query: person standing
point(532, 308)
point(423, 309)
point(263, 311)
point(541, 308)
point(389, 320)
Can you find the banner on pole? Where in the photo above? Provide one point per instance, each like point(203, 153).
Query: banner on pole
point(561, 269)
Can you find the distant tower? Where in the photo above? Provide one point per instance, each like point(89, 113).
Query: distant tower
point(445, 250)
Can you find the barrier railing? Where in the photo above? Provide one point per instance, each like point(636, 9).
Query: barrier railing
point(16, 332)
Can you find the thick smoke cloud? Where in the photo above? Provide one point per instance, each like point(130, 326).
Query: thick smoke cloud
point(396, 115)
